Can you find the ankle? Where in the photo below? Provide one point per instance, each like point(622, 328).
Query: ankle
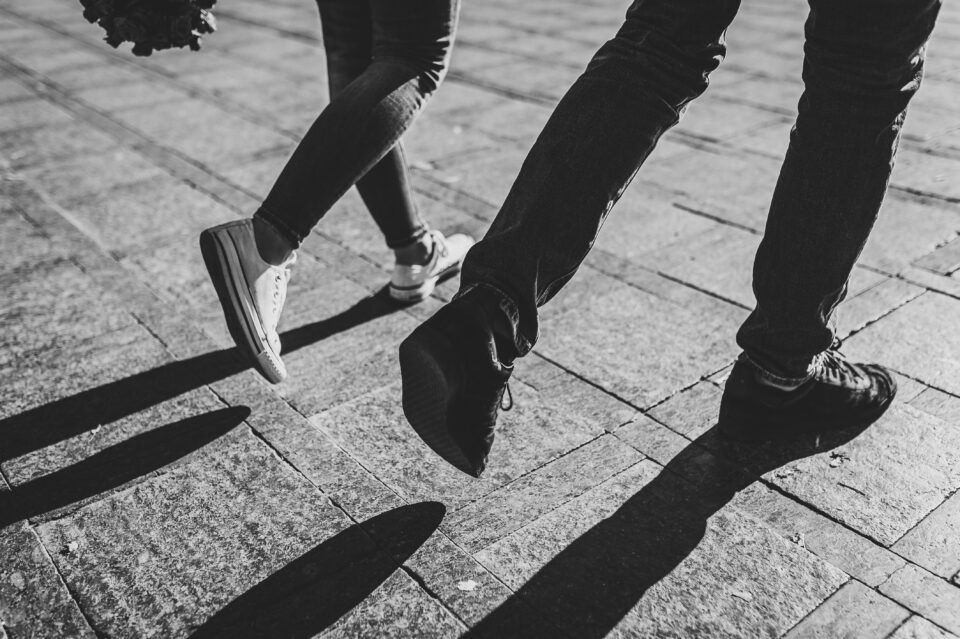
point(273, 247)
point(417, 253)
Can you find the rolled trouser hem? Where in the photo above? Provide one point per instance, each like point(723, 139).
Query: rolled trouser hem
point(510, 311)
point(779, 380)
point(416, 236)
point(285, 230)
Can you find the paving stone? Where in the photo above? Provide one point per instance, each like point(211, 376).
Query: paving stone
point(645, 220)
point(781, 94)
point(399, 608)
point(917, 339)
point(852, 553)
point(94, 173)
point(49, 307)
point(11, 90)
point(163, 556)
point(883, 482)
point(907, 229)
point(257, 176)
point(859, 310)
point(488, 178)
point(690, 412)
point(927, 595)
point(498, 514)
point(917, 627)
point(534, 79)
point(665, 349)
point(945, 259)
point(852, 611)
point(938, 403)
point(927, 173)
point(30, 147)
point(33, 599)
point(145, 213)
point(934, 543)
point(22, 244)
point(736, 188)
point(713, 119)
point(658, 571)
point(373, 430)
point(433, 142)
point(127, 96)
point(457, 96)
point(30, 113)
point(109, 74)
point(204, 132)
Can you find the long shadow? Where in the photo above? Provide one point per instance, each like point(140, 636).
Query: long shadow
point(591, 585)
point(64, 418)
point(313, 591)
point(116, 465)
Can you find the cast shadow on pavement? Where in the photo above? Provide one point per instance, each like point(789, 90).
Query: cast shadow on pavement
point(593, 583)
point(64, 418)
point(113, 467)
point(313, 591)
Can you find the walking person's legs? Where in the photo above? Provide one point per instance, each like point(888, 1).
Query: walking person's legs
point(864, 61)
point(455, 366)
point(388, 57)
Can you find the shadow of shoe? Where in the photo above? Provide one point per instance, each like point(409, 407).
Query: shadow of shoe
point(59, 420)
point(591, 585)
point(313, 591)
point(114, 466)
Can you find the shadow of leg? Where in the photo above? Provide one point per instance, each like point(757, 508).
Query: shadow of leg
point(312, 592)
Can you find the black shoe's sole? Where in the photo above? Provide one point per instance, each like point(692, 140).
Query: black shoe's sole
point(244, 335)
point(427, 370)
point(744, 421)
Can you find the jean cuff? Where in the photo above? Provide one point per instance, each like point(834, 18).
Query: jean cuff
point(413, 237)
point(510, 311)
point(286, 231)
point(777, 380)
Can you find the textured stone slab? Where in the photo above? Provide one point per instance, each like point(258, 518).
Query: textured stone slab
point(919, 628)
point(883, 482)
point(33, 599)
point(650, 569)
point(93, 173)
point(935, 542)
point(30, 113)
point(373, 430)
point(713, 119)
point(859, 310)
point(136, 94)
point(734, 187)
point(101, 75)
point(852, 611)
point(53, 306)
point(937, 600)
point(906, 229)
point(29, 147)
point(487, 177)
point(202, 131)
point(60, 374)
point(163, 556)
point(919, 339)
point(21, 243)
point(927, 173)
point(503, 511)
point(144, 213)
point(399, 608)
point(691, 412)
point(640, 344)
point(944, 260)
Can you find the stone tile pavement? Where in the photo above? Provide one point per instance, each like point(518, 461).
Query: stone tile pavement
point(153, 487)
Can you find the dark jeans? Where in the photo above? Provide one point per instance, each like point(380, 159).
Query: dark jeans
point(384, 59)
point(864, 60)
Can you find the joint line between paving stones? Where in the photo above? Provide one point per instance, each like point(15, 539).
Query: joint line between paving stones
point(73, 595)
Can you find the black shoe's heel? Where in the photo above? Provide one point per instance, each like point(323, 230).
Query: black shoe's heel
point(430, 379)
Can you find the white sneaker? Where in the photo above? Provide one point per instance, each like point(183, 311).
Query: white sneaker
point(251, 292)
point(416, 283)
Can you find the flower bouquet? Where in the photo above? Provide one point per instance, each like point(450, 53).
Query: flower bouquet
point(152, 25)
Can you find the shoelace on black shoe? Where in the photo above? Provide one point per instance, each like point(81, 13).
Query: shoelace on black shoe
point(835, 365)
point(508, 395)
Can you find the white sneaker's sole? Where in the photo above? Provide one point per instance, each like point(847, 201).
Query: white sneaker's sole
point(223, 264)
point(419, 292)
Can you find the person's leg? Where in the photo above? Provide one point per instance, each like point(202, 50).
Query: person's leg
point(411, 43)
point(456, 365)
point(864, 60)
point(385, 189)
point(602, 130)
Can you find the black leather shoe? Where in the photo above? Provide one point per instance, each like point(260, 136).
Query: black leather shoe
point(454, 382)
point(841, 394)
